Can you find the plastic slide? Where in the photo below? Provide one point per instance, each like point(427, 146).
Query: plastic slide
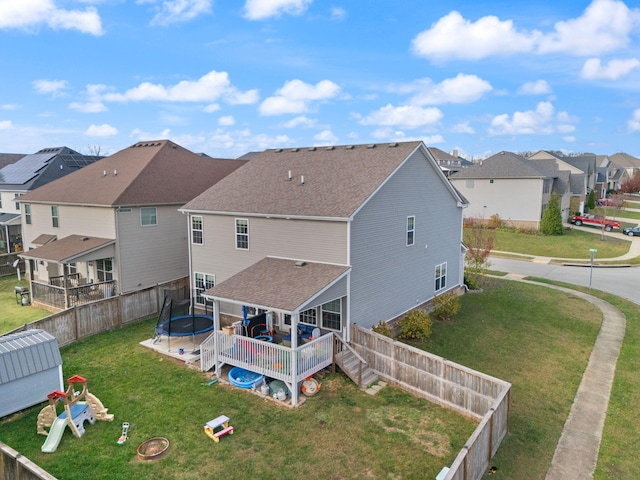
point(55, 435)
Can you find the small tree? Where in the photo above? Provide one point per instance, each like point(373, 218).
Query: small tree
point(479, 243)
point(591, 201)
point(551, 223)
point(631, 184)
point(416, 325)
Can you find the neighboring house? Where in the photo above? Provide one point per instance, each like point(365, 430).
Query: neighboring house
point(604, 170)
point(582, 171)
point(328, 236)
point(25, 173)
point(114, 226)
point(512, 187)
point(449, 163)
point(626, 167)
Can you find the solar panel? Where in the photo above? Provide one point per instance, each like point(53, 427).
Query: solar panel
point(25, 169)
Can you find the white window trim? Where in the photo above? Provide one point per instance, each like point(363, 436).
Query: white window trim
point(205, 276)
point(237, 235)
point(412, 231)
point(150, 224)
point(443, 285)
point(321, 319)
point(201, 230)
point(55, 219)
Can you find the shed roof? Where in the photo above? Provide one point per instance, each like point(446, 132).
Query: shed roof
point(27, 353)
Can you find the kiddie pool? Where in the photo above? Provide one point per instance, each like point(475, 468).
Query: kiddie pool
point(244, 378)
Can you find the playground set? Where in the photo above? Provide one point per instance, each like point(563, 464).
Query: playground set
point(79, 406)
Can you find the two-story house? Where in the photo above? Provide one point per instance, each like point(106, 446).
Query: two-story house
point(327, 236)
point(114, 226)
point(515, 189)
point(28, 172)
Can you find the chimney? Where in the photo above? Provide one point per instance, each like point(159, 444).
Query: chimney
point(454, 153)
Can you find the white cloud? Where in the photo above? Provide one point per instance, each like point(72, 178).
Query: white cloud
point(212, 107)
point(88, 107)
point(604, 26)
point(226, 121)
point(539, 87)
point(208, 88)
point(178, 11)
point(463, 127)
point(529, 122)
point(460, 89)
point(295, 96)
point(433, 139)
point(569, 139)
point(103, 130)
point(594, 70)
point(409, 116)
point(5, 124)
point(301, 121)
point(53, 87)
point(263, 9)
point(326, 137)
point(633, 124)
point(454, 37)
point(30, 15)
point(338, 13)
point(9, 106)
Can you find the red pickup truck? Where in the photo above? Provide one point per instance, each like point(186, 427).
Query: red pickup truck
point(595, 221)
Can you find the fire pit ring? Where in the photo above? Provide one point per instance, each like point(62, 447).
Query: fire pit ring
point(153, 449)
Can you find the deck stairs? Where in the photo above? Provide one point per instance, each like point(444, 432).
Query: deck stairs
point(355, 367)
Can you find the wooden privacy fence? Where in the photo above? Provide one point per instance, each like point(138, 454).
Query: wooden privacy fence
point(471, 393)
point(13, 466)
point(83, 321)
point(6, 264)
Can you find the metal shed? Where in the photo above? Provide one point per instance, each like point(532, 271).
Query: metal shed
point(30, 369)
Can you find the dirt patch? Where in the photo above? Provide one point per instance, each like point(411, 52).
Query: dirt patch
point(422, 429)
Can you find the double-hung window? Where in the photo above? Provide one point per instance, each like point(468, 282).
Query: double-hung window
point(441, 276)
point(308, 317)
point(16, 196)
point(203, 282)
point(197, 235)
point(104, 268)
point(332, 315)
point(242, 233)
point(411, 230)
point(27, 213)
point(148, 216)
point(55, 220)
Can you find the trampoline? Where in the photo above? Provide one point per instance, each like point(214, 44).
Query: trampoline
point(178, 319)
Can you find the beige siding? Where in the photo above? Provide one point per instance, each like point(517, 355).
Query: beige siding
point(514, 200)
point(151, 254)
point(315, 241)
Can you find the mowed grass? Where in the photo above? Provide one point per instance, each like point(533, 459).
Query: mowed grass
point(341, 432)
point(536, 338)
point(574, 244)
point(12, 313)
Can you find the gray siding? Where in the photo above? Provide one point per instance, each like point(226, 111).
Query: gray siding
point(313, 241)
point(338, 290)
point(388, 278)
point(30, 369)
point(152, 254)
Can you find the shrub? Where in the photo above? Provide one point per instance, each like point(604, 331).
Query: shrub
point(446, 306)
point(416, 325)
point(383, 329)
point(495, 221)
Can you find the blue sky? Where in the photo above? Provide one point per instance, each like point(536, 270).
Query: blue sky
point(227, 77)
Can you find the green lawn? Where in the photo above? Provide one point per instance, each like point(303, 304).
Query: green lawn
point(12, 314)
point(537, 339)
point(573, 244)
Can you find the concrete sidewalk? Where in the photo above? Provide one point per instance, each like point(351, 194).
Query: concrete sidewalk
point(576, 454)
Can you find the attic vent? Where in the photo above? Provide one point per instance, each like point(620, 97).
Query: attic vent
point(371, 145)
point(312, 149)
point(301, 263)
point(278, 150)
point(331, 147)
point(84, 239)
point(349, 147)
point(290, 176)
point(301, 179)
point(104, 173)
point(393, 144)
point(115, 172)
point(295, 149)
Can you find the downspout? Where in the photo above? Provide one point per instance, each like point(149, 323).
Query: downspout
point(118, 262)
point(190, 253)
point(65, 285)
point(294, 359)
point(347, 327)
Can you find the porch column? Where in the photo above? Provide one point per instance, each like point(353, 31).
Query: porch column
point(294, 358)
point(216, 333)
point(65, 285)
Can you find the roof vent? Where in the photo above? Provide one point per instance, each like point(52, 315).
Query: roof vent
point(278, 150)
point(115, 172)
point(395, 144)
point(371, 145)
point(84, 239)
point(349, 147)
point(290, 176)
point(330, 147)
point(295, 149)
point(312, 149)
point(301, 263)
point(104, 173)
point(301, 179)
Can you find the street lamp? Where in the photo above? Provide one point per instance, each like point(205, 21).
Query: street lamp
point(593, 254)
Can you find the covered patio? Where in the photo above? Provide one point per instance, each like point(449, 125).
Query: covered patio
point(71, 271)
point(284, 292)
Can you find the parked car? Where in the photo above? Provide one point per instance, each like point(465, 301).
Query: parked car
point(632, 231)
point(595, 221)
point(609, 202)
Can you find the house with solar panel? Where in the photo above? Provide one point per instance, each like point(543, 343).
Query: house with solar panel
point(324, 238)
point(26, 173)
point(114, 226)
